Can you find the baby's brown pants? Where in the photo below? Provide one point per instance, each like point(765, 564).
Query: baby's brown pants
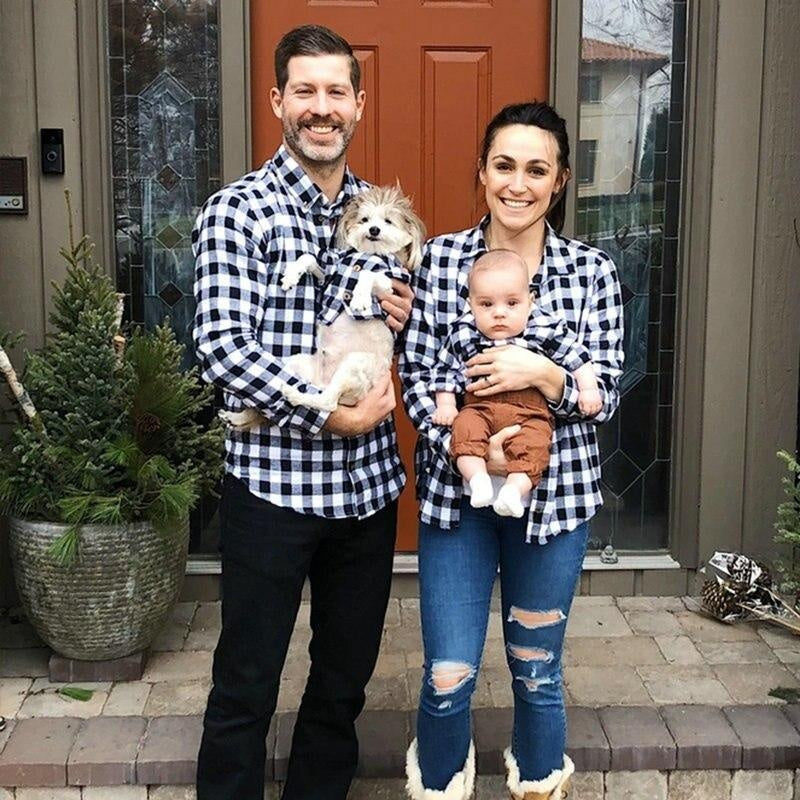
point(527, 451)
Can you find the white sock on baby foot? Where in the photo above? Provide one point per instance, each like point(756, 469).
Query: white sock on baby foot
point(481, 490)
point(508, 502)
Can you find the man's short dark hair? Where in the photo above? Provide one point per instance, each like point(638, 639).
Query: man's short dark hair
point(313, 40)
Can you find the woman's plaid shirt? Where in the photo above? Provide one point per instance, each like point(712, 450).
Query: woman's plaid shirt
point(577, 283)
point(246, 325)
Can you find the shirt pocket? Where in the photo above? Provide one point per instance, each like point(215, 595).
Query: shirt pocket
point(289, 325)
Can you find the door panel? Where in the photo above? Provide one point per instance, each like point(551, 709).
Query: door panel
point(450, 76)
point(434, 71)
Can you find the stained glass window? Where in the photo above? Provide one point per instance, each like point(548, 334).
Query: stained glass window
point(163, 62)
point(164, 83)
point(628, 167)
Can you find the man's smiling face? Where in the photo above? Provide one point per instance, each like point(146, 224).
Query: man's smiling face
point(318, 108)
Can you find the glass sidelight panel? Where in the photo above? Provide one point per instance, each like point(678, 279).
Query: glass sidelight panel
point(628, 168)
point(163, 62)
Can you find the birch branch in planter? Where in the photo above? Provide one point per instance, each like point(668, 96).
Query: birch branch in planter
point(18, 390)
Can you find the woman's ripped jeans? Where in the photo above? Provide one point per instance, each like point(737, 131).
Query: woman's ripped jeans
point(457, 569)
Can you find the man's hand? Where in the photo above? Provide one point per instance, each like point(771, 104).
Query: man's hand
point(496, 458)
point(398, 305)
point(372, 409)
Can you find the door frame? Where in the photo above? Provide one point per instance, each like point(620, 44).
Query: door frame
point(234, 37)
point(565, 30)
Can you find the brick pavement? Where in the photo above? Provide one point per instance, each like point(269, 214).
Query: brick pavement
point(656, 691)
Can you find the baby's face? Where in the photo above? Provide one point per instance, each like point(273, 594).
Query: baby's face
point(500, 301)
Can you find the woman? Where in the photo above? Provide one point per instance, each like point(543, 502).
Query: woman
point(524, 168)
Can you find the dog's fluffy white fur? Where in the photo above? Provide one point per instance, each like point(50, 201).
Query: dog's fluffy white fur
point(352, 354)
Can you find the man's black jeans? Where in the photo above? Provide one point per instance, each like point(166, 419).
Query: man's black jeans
point(267, 552)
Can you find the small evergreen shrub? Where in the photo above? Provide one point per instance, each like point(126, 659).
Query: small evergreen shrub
point(115, 437)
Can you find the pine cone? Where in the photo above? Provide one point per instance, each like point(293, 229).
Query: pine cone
point(719, 601)
point(147, 423)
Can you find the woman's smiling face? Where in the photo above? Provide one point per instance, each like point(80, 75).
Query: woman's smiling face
point(521, 175)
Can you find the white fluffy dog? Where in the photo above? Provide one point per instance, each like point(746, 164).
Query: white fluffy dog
point(352, 354)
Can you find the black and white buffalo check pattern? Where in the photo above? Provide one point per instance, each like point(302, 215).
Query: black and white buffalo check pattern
point(246, 325)
point(544, 334)
point(577, 283)
point(338, 290)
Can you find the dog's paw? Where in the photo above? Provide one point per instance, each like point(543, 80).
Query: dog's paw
point(295, 271)
point(293, 395)
point(290, 278)
point(241, 420)
point(322, 401)
point(361, 301)
point(382, 283)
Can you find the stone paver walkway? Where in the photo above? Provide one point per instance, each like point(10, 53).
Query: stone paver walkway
point(664, 704)
point(619, 651)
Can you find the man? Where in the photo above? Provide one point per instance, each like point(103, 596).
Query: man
point(308, 493)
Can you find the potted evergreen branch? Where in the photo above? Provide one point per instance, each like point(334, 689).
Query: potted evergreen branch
point(100, 475)
point(788, 527)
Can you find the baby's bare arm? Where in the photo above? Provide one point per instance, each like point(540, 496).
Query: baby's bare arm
point(446, 410)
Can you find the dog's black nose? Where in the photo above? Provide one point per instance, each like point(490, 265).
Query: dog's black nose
point(374, 231)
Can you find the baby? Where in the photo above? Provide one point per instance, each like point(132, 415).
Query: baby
point(501, 306)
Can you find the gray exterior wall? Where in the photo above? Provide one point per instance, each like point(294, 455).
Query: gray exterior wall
point(739, 344)
point(771, 420)
point(751, 342)
point(49, 80)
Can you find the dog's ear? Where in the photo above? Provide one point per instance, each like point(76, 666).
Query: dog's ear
point(346, 223)
point(416, 230)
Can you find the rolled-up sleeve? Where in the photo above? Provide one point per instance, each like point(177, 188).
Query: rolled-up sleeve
point(418, 361)
point(554, 338)
point(603, 338)
point(231, 295)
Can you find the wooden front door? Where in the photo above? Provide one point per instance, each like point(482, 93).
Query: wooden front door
point(435, 71)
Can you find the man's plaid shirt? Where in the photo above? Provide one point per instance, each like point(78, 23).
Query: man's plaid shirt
point(246, 325)
point(576, 282)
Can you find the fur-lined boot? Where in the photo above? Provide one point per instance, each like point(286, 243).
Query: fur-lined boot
point(553, 787)
point(461, 785)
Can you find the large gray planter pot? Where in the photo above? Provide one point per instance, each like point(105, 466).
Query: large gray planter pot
point(113, 600)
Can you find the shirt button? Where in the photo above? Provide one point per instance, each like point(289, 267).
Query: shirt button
point(347, 297)
point(357, 268)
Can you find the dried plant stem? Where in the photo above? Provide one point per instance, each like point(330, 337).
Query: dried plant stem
point(791, 624)
point(792, 621)
point(119, 340)
point(783, 602)
point(69, 220)
point(18, 390)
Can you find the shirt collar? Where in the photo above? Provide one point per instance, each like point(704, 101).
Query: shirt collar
point(555, 251)
point(553, 245)
point(294, 177)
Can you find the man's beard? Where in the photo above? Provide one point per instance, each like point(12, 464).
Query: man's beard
point(320, 156)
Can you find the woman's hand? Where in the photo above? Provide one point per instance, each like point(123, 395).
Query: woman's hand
point(506, 369)
point(496, 458)
point(510, 368)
